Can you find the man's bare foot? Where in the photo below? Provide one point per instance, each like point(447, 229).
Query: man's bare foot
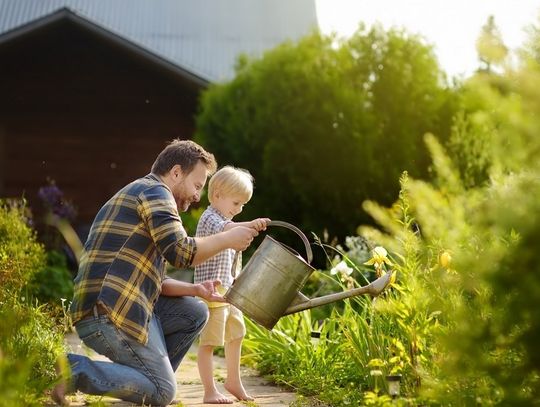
point(58, 393)
point(238, 391)
point(216, 398)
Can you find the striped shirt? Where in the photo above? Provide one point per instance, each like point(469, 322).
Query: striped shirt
point(218, 267)
point(123, 263)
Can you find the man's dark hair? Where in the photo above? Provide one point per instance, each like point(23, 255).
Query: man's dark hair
point(185, 153)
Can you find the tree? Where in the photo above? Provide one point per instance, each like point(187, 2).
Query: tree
point(490, 46)
point(326, 123)
point(532, 45)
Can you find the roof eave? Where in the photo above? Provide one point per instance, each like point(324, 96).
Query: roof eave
point(67, 14)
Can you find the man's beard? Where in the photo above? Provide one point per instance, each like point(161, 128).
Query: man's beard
point(182, 202)
point(182, 205)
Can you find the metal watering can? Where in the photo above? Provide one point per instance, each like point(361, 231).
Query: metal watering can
point(269, 285)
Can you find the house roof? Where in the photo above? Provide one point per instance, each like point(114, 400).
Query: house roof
point(199, 39)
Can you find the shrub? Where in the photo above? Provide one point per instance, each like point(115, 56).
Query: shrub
point(324, 124)
point(30, 342)
point(21, 257)
point(53, 281)
point(29, 339)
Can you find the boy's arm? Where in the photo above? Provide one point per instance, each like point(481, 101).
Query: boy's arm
point(258, 224)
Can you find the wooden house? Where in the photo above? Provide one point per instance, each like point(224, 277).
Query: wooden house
point(91, 91)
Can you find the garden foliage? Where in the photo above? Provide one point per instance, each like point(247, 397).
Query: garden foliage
point(462, 322)
point(20, 255)
point(30, 338)
point(324, 124)
point(489, 352)
point(53, 281)
point(364, 340)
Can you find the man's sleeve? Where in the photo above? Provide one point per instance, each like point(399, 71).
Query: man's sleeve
point(158, 211)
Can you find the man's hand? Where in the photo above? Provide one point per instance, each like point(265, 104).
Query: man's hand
point(207, 290)
point(237, 238)
point(259, 224)
point(240, 238)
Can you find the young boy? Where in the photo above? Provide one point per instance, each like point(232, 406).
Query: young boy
point(229, 190)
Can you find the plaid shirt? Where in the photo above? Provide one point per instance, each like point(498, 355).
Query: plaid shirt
point(218, 267)
point(123, 264)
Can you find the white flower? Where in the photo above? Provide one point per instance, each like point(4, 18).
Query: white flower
point(380, 252)
point(341, 268)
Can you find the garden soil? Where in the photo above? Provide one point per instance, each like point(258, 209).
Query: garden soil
point(190, 391)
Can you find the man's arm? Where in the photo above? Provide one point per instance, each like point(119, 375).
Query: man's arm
point(237, 238)
point(207, 290)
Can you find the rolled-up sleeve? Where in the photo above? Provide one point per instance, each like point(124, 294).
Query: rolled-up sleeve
point(158, 211)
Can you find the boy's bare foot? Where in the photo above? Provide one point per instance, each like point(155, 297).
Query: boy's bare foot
point(238, 391)
point(216, 398)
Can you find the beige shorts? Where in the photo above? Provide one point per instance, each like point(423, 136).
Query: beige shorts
point(224, 325)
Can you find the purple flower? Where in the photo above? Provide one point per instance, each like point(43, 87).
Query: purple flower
point(50, 195)
point(54, 201)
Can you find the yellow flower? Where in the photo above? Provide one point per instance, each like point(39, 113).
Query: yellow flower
point(380, 257)
point(445, 259)
point(393, 277)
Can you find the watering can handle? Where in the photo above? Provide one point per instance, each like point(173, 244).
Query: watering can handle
point(309, 253)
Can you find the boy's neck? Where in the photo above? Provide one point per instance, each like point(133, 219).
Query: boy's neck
point(218, 211)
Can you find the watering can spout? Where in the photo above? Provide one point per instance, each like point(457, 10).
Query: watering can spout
point(301, 302)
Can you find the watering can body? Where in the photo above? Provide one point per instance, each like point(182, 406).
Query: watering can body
point(269, 282)
point(269, 285)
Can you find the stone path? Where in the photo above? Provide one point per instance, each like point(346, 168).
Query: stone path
point(190, 391)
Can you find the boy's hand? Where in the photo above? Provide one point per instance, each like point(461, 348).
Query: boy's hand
point(207, 290)
point(259, 224)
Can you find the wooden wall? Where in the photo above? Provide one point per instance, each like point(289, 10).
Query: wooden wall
point(86, 113)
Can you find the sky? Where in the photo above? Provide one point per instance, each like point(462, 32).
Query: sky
point(452, 26)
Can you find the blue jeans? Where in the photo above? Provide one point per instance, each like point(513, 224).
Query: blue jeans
point(138, 373)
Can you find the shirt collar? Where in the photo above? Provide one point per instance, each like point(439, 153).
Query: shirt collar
point(214, 210)
point(157, 178)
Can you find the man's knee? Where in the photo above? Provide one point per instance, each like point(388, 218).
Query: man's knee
point(195, 308)
point(191, 313)
point(166, 395)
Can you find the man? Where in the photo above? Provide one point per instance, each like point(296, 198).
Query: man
point(124, 307)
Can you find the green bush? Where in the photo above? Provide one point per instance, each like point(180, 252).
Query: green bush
point(324, 125)
point(30, 338)
point(54, 281)
point(470, 147)
point(489, 351)
point(463, 319)
point(463, 322)
point(30, 342)
point(20, 255)
point(483, 351)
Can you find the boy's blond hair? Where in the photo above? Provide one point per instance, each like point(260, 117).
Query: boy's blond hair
point(231, 181)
